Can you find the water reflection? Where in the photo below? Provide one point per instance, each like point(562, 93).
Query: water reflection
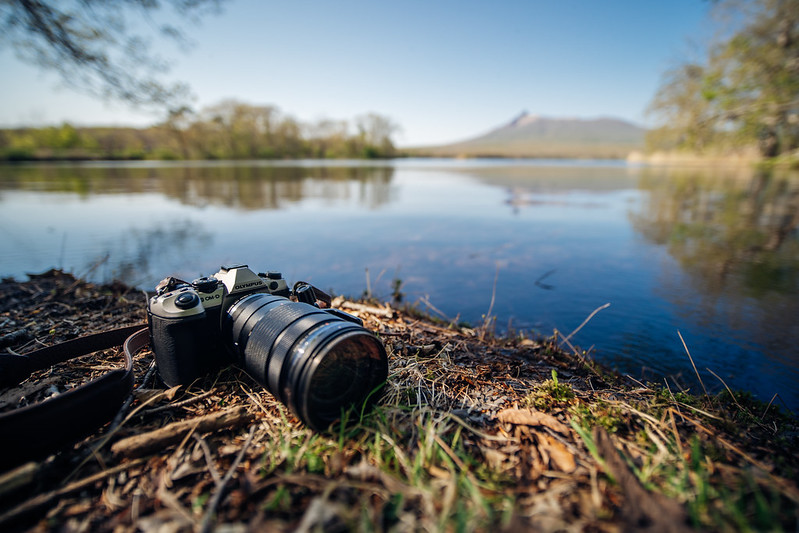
point(136, 249)
point(736, 238)
point(531, 187)
point(713, 255)
point(726, 230)
point(240, 186)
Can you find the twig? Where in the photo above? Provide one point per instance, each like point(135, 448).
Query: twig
point(143, 444)
point(181, 403)
point(734, 399)
point(487, 320)
point(769, 405)
point(594, 312)
point(671, 394)
point(255, 401)
point(19, 477)
point(45, 499)
point(426, 300)
point(208, 460)
point(481, 434)
point(93, 452)
point(692, 363)
point(371, 309)
point(148, 375)
point(171, 501)
point(121, 414)
point(675, 431)
point(205, 526)
point(566, 340)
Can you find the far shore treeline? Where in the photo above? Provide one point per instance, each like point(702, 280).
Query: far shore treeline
point(227, 130)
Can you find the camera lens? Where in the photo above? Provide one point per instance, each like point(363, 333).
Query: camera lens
point(315, 362)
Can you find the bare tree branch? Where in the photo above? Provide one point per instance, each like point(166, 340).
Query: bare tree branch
point(91, 46)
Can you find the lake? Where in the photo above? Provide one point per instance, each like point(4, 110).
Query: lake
point(711, 254)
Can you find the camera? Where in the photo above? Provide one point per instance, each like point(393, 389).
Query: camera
point(316, 360)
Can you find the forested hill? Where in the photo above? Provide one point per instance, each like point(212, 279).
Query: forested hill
point(535, 136)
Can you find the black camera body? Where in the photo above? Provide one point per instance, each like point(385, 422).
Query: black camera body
point(185, 319)
point(317, 361)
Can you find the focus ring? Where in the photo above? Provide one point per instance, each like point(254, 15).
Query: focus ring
point(260, 349)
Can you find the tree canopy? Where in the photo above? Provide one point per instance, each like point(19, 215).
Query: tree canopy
point(102, 46)
point(745, 93)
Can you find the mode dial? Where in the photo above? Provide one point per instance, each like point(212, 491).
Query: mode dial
point(205, 284)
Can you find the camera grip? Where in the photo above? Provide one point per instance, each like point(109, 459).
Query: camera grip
point(181, 347)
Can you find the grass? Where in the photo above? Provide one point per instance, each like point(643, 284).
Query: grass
point(430, 475)
point(412, 463)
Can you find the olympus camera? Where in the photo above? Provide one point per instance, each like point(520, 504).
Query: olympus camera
point(316, 360)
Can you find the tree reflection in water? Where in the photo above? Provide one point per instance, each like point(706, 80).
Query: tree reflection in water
point(245, 186)
point(248, 186)
point(735, 235)
point(130, 257)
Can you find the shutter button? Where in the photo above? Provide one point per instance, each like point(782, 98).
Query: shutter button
point(187, 300)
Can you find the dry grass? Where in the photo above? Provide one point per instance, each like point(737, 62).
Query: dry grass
point(473, 433)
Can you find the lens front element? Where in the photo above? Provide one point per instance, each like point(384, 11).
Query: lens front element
point(345, 367)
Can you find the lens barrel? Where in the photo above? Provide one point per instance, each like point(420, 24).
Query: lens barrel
point(315, 362)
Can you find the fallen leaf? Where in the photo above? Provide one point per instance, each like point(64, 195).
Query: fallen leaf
point(494, 458)
point(156, 395)
point(560, 457)
point(531, 417)
point(147, 395)
point(171, 392)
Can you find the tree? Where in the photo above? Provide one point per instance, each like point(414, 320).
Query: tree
point(90, 44)
point(241, 131)
point(328, 138)
point(375, 132)
point(686, 115)
point(746, 93)
point(177, 122)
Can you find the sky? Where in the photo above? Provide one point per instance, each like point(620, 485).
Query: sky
point(442, 70)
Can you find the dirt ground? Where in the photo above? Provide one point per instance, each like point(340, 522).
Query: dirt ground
point(472, 433)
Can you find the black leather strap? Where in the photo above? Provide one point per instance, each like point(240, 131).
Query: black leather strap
point(35, 431)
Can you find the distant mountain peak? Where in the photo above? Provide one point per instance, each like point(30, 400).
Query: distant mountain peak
point(529, 135)
point(522, 119)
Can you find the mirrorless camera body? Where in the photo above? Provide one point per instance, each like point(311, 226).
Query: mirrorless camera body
point(185, 319)
point(317, 361)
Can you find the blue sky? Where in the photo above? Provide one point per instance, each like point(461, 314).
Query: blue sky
point(443, 70)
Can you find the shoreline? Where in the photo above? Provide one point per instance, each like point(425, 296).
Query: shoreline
point(635, 159)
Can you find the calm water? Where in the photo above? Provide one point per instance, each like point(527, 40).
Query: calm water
point(714, 255)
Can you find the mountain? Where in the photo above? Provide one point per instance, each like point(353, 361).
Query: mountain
point(535, 136)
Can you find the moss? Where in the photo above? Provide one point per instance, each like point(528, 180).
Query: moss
point(550, 394)
point(599, 414)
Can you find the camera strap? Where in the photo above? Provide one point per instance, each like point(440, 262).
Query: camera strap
point(307, 293)
point(37, 430)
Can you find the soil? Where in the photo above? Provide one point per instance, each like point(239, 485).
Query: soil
point(472, 433)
